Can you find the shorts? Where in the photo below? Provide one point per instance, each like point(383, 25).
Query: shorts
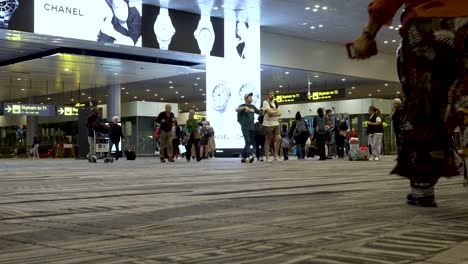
point(271, 131)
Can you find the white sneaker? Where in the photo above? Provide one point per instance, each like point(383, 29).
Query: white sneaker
point(376, 158)
point(277, 159)
point(269, 160)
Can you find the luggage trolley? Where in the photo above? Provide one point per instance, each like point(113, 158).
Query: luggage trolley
point(101, 148)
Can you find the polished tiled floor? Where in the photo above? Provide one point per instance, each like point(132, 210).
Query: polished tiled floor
point(222, 211)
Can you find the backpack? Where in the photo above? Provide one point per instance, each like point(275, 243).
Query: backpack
point(300, 128)
point(320, 125)
point(259, 129)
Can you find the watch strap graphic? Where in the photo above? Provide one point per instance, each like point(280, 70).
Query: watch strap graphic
point(4, 22)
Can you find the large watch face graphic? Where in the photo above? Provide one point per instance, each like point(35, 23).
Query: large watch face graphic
point(163, 28)
point(246, 89)
point(7, 7)
point(220, 97)
point(204, 37)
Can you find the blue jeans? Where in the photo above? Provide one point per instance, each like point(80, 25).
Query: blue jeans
point(249, 137)
point(300, 150)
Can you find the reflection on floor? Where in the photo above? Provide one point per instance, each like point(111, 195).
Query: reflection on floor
point(222, 211)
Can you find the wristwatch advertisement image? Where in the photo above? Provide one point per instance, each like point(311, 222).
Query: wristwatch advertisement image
point(220, 97)
point(204, 34)
point(164, 29)
point(7, 8)
point(248, 88)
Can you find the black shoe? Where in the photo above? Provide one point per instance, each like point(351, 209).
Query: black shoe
point(428, 201)
point(243, 160)
point(198, 159)
point(171, 160)
point(251, 159)
point(163, 160)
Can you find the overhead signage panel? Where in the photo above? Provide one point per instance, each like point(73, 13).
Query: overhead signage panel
point(289, 98)
point(11, 109)
point(327, 95)
point(67, 111)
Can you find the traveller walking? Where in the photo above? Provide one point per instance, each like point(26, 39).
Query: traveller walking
point(271, 126)
point(375, 133)
point(340, 135)
point(115, 135)
point(434, 83)
point(193, 135)
point(285, 139)
point(259, 138)
point(331, 144)
point(91, 124)
point(397, 112)
point(300, 133)
point(35, 148)
point(165, 120)
point(245, 117)
point(320, 133)
point(177, 135)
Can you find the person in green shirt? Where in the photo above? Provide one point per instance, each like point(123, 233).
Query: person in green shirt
point(245, 117)
point(191, 130)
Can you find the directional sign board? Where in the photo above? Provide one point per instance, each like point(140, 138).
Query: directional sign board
point(67, 111)
point(28, 109)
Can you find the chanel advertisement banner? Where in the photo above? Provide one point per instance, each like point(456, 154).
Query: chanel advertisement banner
point(112, 21)
point(17, 15)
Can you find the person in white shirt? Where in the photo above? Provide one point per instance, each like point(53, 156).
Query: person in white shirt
point(271, 126)
point(375, 132)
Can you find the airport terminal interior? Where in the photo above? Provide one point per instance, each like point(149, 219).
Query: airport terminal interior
point(62, 202)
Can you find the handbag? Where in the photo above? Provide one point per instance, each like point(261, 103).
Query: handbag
point(182, 149)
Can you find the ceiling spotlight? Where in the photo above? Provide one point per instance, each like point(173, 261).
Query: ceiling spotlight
point(307, 8)
point(350, 93)
point(320, 26)
point(66, 69)
point(42, 103)
point(280, 86)
point(203, 94)
point(324, 8)
point(398, 92)
point(198, 78)
point(135, 97)
point(397, 29)
point(82, 93)
point(378, 90)
point(171, 87)
point(353, 87)
point(386, 84)
point(170, 82)
point(370, 94)
point(316, 76)
point(182, 96)
point(315, 9)
point(390, 27)
point(162, 99)
point(196, 84)
point(312, 27)
point(304, 24)
point(261, 69)
point(155, 94)
point(215, 8)
point(89, 97)
point(48, 98)
point(72, 99)
point(19, 79)
point(123, 88)
point(99, 101)
point(19, 102)
point(126, 92)
point(201, 90)
point(385, 42)
point(148, 90)
point(193, 106)
point(186, 103)
point(177, 92)
point(317, 6)
point(22, 89)
point(277, 91)
point(286, 73)
point(115, 73)
point(393, 40)
point(344, 80)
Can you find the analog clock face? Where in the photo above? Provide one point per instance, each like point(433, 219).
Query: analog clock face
point(7, 6)
point(220, 96)
point(164, 28)
point(245, 89)
point(205, 37)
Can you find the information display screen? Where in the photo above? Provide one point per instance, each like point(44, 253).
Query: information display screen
point(67, 111)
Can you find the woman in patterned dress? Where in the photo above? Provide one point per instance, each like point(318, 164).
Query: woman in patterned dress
point(435, 83)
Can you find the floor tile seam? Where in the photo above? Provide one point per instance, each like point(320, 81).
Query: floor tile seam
point(77, 250)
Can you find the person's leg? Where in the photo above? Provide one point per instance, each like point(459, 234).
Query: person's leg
point(188, 150)
point(117, 150)
point(36, 151)
point(252, 143)
point(277, 142)
point(91, 147)
point(371, 144)
point(321, 141)
point(303, 149)
point(170, 152)
point(245, 151)
point(197, 149)
point(268, 137)
point(378, 145)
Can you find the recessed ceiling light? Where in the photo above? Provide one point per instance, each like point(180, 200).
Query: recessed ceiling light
point(48, 98)
point(162, 99)
point(307, 8)
point(155, 94)
point(201, 90)
point(196, 84)
point(398, 92)
point(204, 102)
point(399, 26)
point(378, 90)
point(22, 89)
point(317, 6)
point(215, 8)
point(19, 79)
point(89, 97)
point(115, 73)
point(385, 42)
point(286, 73)
point(72, 99)
point(82, 93)
point(177, 92)
point(203, 94)
point(280, 86)
point(390, 27)
point(126, 92)
point(170, 82)
point(148, 90)
point(171, 87)
point(277, 91)
point(143, 100)
point(19, 102)
point(304, 23)
point(324, 8)
point(42, 103)
point(261, 69)
point(222, 6)
point(186, 103)
point(316, 76)
point(393, 40)
point(315, 9)
point(193, 106)
point(397, 29)
point(386, 84)
point(182, 96)
point(320, 26)
point(312, 27)
point(344, 80)
point(197, 109)
point(123, 88)
point(353, 87)
point(370, 94)
point(350, 93)
point(66, 69)
point(99, 101)
point(135, 97)
point(198, 78)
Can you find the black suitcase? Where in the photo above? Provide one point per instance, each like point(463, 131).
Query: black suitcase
point(130, 155)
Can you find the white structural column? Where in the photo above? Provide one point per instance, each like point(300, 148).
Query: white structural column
point(114, 103)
